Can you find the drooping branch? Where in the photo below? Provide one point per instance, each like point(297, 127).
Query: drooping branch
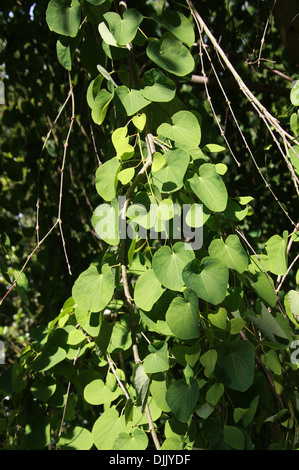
point(231, 84)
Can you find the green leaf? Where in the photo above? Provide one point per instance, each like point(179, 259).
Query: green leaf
point(48, 359)
point(182, 398)
point(276, 248)
point(182, 316)
point(158, 389)
point(120, 141)
point(197, 215)
point(148, 290)
point(89, 321)
point(214, 393)
point(172, 443)
point(208, 360)
point(141, 383)
point(235, 364)
point(180, 26)
point(97, 393)
point(66, 48)
point(139, 121)
point(76, 438)
point(271, 360)
point(170, 55)
point(219, 318)
point(170, 177)
point(107, 428)
point(92, 290)
point(100, 106)
point(294, 95)
point(157, 360)
point(168, 264)
point(234, 437)
point(233, 211)
point(294, 157)
point(136, 440)
point(105, 222)
point(124, 29)
point(209, 188)
point(208, 278)
point(293, 298)
point(106, 179)
point(64, 17)
point(230, 252)
point(235, 325)
point(126, 175)
point(261, 282)
point(157, 87)
point(128, 101)
point(274, 327)
point(43, 388)
point(121, 336)
point(155, 318)
point(184, 130)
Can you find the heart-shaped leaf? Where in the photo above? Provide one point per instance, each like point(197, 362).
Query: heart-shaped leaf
point(168, 264)
point(276, 248)
point(235, 364)
point(231, 253)
point(170, 55)
point(136, 440)
point(209, 188)
point(184, 130)
point(92, 290)
point(207, 278)
point(182, 316)
point(170, 177)
point(106, 179)
point(124, 29)
point(178, 25)
point(100, 106)
point(128, 101)
point(63, 18)
point(157, 360)
point(148, 290)
point(157, 87)
point(181, 398)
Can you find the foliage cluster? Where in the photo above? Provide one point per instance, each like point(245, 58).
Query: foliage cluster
point(150, 344)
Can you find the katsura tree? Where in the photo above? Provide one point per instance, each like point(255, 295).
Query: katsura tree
point(180, 330)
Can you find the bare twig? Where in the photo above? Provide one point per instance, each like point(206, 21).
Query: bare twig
point(264, 114)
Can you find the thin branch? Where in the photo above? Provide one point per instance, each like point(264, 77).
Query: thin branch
point(129, 195)
point(111, 365)
point(263, 113)
point(230, 84)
